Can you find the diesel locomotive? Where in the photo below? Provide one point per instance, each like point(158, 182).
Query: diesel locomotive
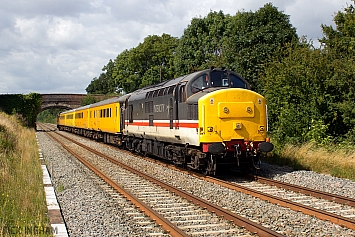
point(202, 121)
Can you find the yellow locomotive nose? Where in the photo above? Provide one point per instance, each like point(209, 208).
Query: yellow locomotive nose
point(235, 114)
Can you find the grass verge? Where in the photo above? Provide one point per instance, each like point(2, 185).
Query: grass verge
point(338, 162)
point(23, 210)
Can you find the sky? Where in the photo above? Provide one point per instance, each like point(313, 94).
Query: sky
point(59, 46)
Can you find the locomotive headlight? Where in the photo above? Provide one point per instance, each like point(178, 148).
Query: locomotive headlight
point(261, 128)
point(209, 129)
point(249, 110)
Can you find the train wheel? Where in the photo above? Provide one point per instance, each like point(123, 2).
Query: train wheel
point(210, 166)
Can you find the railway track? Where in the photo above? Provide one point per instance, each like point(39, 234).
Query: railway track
point(326, 210)
point(331, 211)
point(326, 206)
point(307, 191)
point(178, 212)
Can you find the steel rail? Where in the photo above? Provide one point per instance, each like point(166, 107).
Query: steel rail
point(171, 228)
point(323, 215)
point(311, 192)
point(226, 214)
point(337, 219)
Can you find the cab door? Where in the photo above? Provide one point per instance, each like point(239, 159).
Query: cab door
point(180, 109)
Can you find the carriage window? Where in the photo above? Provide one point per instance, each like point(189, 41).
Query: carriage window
point(199, 84)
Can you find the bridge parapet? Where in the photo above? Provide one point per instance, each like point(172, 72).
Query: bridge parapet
point(66, 101)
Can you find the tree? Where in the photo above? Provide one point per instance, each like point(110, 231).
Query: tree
point(339, 43)
point(149, 63)
point(99, 85)
point(296, 93)
point(243, 43)
point(310, 92)
point(342, 39)
point(200, 46)
point(251, 39)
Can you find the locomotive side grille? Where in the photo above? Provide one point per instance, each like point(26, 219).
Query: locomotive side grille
point(192, 112)
point(149, 107)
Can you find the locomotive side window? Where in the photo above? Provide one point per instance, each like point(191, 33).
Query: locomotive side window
point(199, 84)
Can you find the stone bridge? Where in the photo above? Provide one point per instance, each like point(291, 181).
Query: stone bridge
point(65, 101)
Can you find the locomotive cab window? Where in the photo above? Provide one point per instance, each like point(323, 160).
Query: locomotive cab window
point(199, 84)
point(237, 82)
point(223, 79)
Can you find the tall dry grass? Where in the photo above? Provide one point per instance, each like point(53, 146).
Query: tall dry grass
point(22, 198)
point(338, 162)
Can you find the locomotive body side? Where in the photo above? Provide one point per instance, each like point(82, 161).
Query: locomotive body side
point(155, 115)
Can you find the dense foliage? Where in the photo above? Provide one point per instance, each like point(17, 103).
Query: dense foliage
point(254, 38)
point(49, 115)
point(25, 107)
point(148, 63)
point(201, 45)
point(310, 91)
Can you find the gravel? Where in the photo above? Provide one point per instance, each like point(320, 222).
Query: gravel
point(96, 203)
point(309, 179)
point(87, 209)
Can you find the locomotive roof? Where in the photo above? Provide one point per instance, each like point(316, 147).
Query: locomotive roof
point(140, 93)
point(171, 82)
